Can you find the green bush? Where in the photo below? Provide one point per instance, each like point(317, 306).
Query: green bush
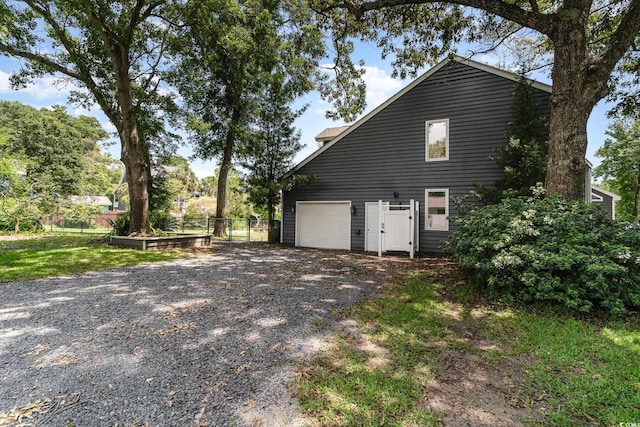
point(526, 249)
point(120, 225)
point(162, 221)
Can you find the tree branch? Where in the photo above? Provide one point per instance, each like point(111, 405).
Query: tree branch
point(138, 16)
point(83, 74)
point(535, 20)
point(47, 62)
point(621, 40)
point(497, 44)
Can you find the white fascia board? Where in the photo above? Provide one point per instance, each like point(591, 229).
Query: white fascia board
point(368, 116)
point(416, 82)
point(502, 73)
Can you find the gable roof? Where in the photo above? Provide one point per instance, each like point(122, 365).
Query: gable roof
point(606, 193)
point(454, 58)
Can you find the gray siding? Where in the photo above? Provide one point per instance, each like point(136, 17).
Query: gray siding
point(386, 154)
point(606, 203)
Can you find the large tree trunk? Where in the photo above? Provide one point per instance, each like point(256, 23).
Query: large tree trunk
point(270, 219)
point(221, 197)
point(636, 203)
point(133, 154)
point(574, 96)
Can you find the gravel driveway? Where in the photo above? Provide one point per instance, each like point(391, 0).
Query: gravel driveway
point(206, 341)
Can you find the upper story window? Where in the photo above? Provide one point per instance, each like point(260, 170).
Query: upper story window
point(437, 144)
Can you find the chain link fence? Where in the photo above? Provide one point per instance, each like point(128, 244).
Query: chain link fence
point(246, 229)
point(233, 229)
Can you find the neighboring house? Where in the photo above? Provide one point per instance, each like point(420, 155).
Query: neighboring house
point(430, 143)
point(606, 199)
point(329, 134)
point(102, 201)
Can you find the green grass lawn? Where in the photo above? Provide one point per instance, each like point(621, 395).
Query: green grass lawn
point(567, 370)
point(51, 255)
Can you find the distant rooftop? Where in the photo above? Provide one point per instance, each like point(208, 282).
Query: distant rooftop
point(330, 133)
point(90, 200)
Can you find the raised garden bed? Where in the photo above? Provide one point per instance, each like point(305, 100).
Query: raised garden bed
point(164, 242)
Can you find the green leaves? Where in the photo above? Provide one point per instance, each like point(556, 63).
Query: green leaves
point(621, 166)
point(527, 249)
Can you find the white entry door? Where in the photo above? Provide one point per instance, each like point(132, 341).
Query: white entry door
point(372, 221)
point(397, 230)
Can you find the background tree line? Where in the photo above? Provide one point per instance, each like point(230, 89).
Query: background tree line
point(48, 155)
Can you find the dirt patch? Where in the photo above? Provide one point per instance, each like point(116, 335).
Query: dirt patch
point(477, 383)
point(469, 391)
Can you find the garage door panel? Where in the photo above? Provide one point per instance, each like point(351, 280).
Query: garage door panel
point(324, 225)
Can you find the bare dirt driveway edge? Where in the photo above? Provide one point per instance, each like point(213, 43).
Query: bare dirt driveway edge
point(211, 340)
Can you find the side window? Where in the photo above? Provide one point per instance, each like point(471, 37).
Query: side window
point(437, 209)
point(437, 144)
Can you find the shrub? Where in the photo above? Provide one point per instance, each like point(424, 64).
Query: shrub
point(162, 221)
point(525, 249)
point(120, 225)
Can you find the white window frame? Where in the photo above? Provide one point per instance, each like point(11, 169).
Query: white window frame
point(426, 209)
point(426, 140)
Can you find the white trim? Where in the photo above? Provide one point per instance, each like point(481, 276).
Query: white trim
point(502, 73)
point(426, 208)
point(323, 202)
point(454, 58)
point(596, 198)
point(614, 198)
point(426, 140)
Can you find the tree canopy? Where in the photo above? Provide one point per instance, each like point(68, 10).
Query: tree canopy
point(620, 166)
point(587, 40)
point(114, 52)
point(48, 155)
point(227, 52)
point(270, 154)
point(64, 152)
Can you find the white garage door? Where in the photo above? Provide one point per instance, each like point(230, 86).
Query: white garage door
point(325, 225)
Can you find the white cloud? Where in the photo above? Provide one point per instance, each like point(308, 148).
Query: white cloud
point(109, 127)
point(47, 88)
point(81, 111)
point(490, 59)
point(380, 87)
point(4, 82)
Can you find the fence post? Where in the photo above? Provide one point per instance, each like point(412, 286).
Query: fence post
point(230, 228)
point(249, 230)
point(208, 225)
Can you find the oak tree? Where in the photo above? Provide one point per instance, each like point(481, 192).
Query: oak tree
point(587, 38)
point(114, 52)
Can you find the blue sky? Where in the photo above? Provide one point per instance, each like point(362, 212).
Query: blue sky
point(380, 86)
